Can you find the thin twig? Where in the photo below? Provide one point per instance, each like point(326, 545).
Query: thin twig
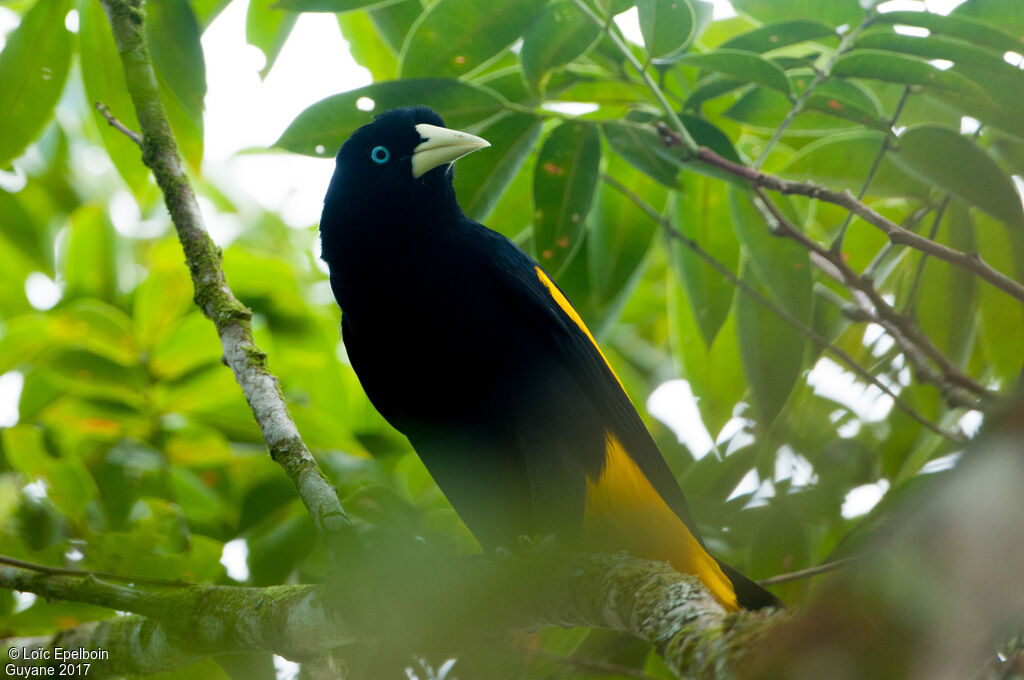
point(970, 261)
point(118, 125)
point(798, 325)
point(916, 345)
point(807, 573)
point(837, 244)
point(820, 76)
point(686, 140)
point(911, 302)
point(106, 575)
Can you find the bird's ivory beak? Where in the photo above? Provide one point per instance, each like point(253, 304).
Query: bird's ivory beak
point(442, 146)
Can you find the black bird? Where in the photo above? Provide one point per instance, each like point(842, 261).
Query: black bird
point(465, 345)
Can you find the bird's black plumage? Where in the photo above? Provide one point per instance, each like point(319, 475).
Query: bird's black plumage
point(463, 344)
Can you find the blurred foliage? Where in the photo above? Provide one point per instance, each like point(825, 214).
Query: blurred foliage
point(134, 450)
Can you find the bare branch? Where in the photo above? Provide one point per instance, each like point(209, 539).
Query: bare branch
point(807, 573)
point(797, 325)
point(118, 125)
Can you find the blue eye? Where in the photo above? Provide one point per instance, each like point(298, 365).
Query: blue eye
point(380, 155)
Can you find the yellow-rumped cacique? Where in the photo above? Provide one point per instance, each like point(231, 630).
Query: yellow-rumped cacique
point(466, 346)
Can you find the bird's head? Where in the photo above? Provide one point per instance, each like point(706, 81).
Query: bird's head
point(402, 158)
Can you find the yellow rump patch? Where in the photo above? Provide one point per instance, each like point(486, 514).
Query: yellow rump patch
point(571, 313)
point(624, 512)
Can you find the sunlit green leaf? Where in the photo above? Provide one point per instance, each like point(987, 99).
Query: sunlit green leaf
point(323, 127)
point(368, 48)
point(88, 265)
point(33, 67)
point(268, 28)
point(455, 37)
point(833, 13)
point(330, 5)
point(978, 33)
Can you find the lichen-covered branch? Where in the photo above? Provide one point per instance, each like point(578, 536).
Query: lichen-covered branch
point(212, 294)
point(672, 611)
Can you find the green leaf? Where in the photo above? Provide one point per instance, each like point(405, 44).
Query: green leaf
point(173, 34)
point(268, 27)
point(563, 189)
point(896, 68)
point(747, 66)
point(393, 22)
point(33, 67)
point(368, 48)
point(160, 301)
point(701, 214)
point(779, 34)
point(947, 301)
point(833, 12)
point(97, 327)
point(559, 34)
point(103, 76)
point(644, 151)
point(771, 352)
point(620, 232)
point(942, 156)
point(454, 37)
point(69, 484)
point(330, 5)
point(715, 375)
point(322, 128)
point(1009, 16)
point(667, 26)
point(780, 263)
point(88, 265)
point(973, 31)
point(480, 178)
point(938, 47)
point(843, 160)
point(1002, 317)
point(184, 347)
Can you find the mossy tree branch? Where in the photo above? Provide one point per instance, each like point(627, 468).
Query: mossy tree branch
point(174, 627)
point(212, 294)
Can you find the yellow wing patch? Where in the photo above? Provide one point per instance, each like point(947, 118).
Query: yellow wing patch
point(571, 313)
point(624, 512)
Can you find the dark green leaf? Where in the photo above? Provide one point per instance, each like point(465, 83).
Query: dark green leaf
point(393, 22)
point(771, 352)
point(780, 263)
point(713, 86)
point(667, 26)
point(481, 178)
point(322, 128)
point(268, 27)
point(559, 34)
point(938, 47)
point(641, 146)
point(620, 232)
point(747, 66)
point(779, 34)
point(843, 160)
point(455, 37)
point(563, 189)
point(947, 301)
point(33, 67)
point(896, 68)
point(943, 156)
point(173, 35)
